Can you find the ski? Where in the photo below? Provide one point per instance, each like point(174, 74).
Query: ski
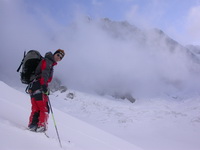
point(45, 133)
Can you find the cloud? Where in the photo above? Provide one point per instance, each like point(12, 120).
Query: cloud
point(144, 14)
point(21, 30)
point(193, 24)
point(97, 59)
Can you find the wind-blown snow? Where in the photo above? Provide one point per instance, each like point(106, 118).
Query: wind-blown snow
point(90, 122)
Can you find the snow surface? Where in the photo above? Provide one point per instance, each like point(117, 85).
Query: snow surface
point(74, 133)
point(91, 122)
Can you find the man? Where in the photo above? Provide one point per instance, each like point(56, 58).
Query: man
point(38, 90)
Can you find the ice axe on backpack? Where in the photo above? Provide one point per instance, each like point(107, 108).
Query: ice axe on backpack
point(21, 62)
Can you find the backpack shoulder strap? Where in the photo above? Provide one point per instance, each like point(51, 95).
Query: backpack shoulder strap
point(21, 62)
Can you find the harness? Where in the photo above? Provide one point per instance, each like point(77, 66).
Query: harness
point(30, 85)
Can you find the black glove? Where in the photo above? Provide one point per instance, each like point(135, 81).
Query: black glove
point(45, 89)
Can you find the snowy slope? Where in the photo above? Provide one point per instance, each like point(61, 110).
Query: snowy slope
point(74, 134)
point(89, 122)
point(166, 123)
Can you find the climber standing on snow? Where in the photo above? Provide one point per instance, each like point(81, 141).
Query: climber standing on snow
point(38, 90)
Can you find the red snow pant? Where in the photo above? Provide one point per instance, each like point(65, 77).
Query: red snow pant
point(40, 111)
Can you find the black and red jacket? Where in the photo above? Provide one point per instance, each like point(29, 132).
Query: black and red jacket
point(44, 70)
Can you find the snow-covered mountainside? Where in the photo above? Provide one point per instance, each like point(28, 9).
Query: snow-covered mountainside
point(153, 124)
point(194, 49)
point(87, 122)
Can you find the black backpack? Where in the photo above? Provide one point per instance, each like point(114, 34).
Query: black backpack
point(29, 64)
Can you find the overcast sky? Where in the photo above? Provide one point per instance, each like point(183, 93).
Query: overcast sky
point(178, 18)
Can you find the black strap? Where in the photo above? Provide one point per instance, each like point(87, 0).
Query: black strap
point(26, 90)
point(21, 62)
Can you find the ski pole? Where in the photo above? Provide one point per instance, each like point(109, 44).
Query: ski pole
point(55, 123)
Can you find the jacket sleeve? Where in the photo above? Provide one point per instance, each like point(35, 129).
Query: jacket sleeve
point(46, 67)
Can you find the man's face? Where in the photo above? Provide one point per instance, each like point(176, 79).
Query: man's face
point(58, 57)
